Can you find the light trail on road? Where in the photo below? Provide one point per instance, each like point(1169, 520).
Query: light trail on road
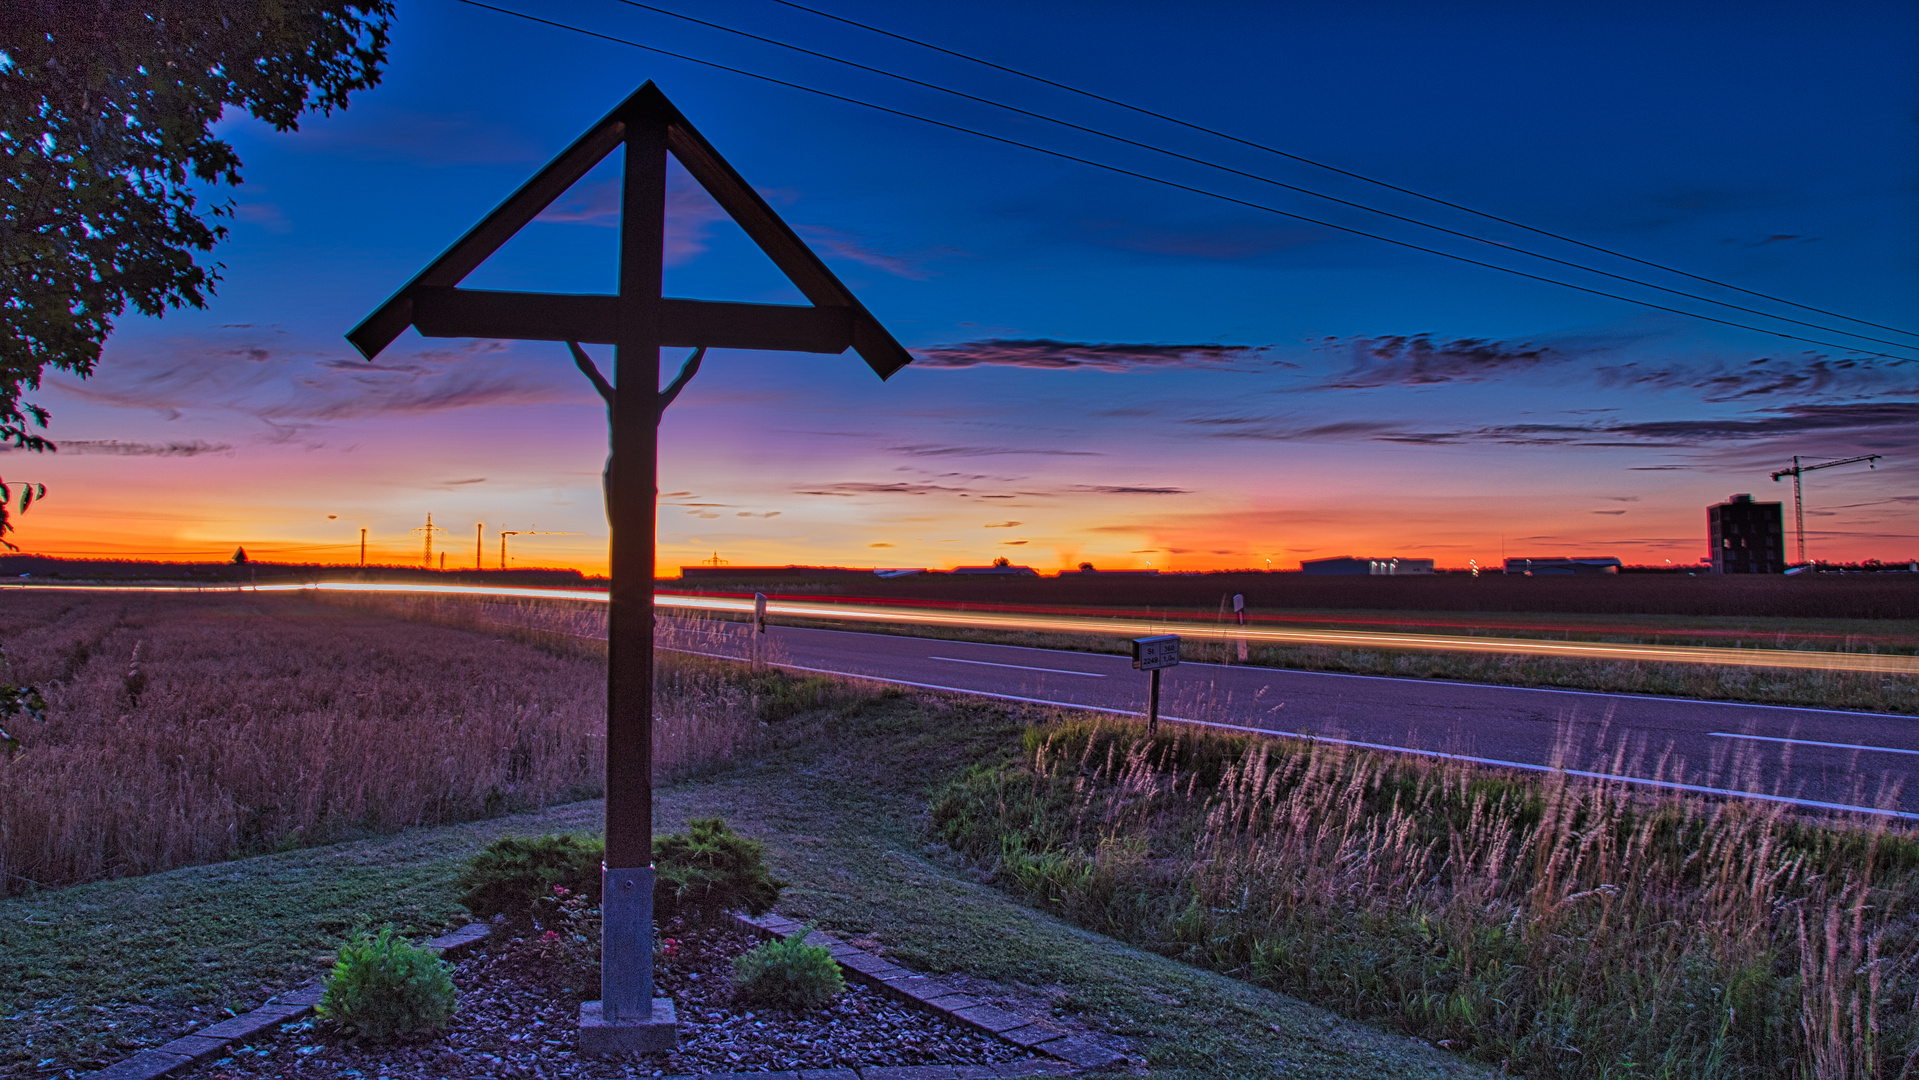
point(960, 618)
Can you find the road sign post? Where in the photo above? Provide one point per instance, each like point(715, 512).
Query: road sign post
point(638, 322)
point(759, 629)
point(1155, 654)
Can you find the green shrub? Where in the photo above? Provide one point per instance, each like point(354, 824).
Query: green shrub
point(709, 870)
point(514, 871)
point(788, 972)
point(383, 988)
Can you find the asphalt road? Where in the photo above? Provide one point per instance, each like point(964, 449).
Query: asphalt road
point(1803, 756)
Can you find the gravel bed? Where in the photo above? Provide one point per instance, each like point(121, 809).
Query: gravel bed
point(519, 1013)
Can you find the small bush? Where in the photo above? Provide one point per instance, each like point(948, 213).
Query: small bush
point(788, 972)
point(383, 989)
point(709, 870)
point(515, 871)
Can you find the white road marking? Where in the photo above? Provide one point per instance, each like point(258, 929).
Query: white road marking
point(1022, 667)
point(1814, 742)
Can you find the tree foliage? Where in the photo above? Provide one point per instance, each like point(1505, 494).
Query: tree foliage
point(106, 116)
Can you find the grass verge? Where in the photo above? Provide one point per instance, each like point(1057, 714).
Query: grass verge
point(838, 793)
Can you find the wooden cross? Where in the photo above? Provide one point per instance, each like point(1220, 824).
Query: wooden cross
point(638, 322)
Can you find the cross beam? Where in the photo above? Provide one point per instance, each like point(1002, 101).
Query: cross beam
point(637, 321)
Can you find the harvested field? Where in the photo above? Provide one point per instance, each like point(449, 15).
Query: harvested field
point(188, 729)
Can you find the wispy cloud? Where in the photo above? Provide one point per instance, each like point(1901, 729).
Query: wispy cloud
point(1122, 489)
point(1099, 356)
point(691, 214)
point(1420, 361)
point(251, 372)
point(937, 450)
point(117, 448)
point(1889, 423)
point(844, 245)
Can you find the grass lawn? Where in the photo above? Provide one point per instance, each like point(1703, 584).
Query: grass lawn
point(90, 973)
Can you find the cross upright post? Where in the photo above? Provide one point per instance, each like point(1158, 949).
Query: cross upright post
point(626, 968)
point(638, 322)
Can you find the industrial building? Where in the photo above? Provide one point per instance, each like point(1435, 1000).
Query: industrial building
point(1747, 537)
point(1346, 564)
point(1563, 566)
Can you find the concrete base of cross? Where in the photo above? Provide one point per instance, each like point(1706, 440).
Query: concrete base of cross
point(653, 1035)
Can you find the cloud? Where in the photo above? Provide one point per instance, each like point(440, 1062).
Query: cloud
point(1419, 361)
point(386, 133)
point(851, 248)
point(1003, 525)
point(860, 487)
point(117, 448)
point(936, 450)
point(1012, 543)
point(1120, 489)
point(1881, 424)
point(251, 372)
point(457, 483)
point(691, 213)
point(879, 545)
point(1609, 513)
point(268, 216)
point(1802, 376)
point(1100, 356)
point(1607, 361)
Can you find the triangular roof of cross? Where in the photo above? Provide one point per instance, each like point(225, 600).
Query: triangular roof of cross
point(835, 321)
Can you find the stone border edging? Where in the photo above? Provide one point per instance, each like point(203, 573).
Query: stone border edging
point(1069, 1053)
point(941, 1000)
point(209, 1041)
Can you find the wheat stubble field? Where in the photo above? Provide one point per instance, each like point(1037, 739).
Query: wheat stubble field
point(187, 729)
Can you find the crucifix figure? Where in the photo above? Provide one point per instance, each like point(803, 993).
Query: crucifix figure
point(637, 322)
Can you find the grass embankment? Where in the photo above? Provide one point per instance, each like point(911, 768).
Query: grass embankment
point(838, 791)
point(1562, 928)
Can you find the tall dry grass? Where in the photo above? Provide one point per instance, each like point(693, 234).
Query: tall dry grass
point(1562, 927)
point(188, 729)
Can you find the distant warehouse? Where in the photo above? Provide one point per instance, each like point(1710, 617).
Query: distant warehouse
point(1346, 564)
point(1562, 566)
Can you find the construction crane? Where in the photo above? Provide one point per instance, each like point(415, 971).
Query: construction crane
point(521, 532)
point(1798, 502)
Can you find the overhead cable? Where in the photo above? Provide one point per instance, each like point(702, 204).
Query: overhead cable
point(1262, 179)
point(1176, 185)
point(1334, 168)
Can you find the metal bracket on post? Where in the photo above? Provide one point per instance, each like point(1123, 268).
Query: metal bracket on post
point(628, 1018)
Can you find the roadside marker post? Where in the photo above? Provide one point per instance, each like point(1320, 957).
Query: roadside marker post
point(759, 628)
point(1155, 654)
point(1239, 613)
point(638, 321)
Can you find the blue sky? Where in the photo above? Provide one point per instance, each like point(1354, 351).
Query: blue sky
point(1111, 370)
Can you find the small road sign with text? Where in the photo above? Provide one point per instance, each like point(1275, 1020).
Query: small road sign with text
point(1153, 653)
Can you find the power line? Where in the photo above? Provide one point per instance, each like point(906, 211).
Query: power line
point(1334, 168)
point(1269, 180)
point(1172, 183)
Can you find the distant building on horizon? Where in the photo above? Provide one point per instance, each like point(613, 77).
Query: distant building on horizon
point(1563, 566)
point(1347, 564)
point(1000, 568)
point(1747, 537)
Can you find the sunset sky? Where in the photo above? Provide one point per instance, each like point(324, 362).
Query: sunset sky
point(1110, 370)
